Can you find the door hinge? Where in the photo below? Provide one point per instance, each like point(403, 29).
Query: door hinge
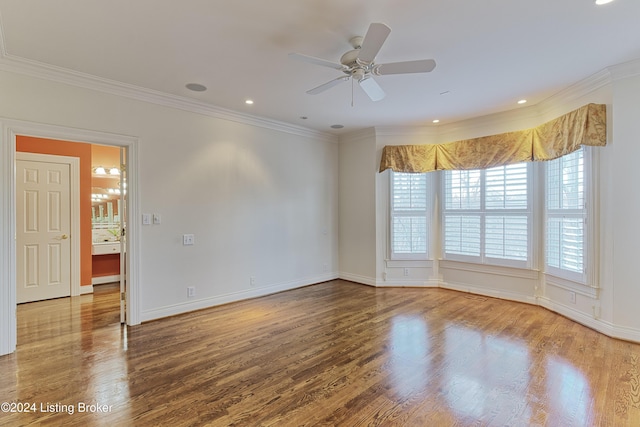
point(122, 296)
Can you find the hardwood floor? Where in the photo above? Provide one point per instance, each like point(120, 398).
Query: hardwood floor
point(336, 353)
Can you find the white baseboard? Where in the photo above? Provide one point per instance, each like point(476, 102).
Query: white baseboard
point(408, 283)
point(364, 280)
point(199, 304)
point(604, 327)
point(493, 293)
point(86, 289)
point(105, 279)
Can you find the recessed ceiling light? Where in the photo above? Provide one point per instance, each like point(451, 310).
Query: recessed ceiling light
point(600, 2)
point(337, 126)
point(436, 121)
point(522, 101)
point(248, 102)
point(196, 87)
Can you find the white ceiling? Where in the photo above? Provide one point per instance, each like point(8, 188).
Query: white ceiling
point(489, 53)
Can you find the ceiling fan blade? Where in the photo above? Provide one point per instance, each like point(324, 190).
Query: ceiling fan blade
point(317, 61)
point(372, 89)
point(373, 41)
point(327, 85)
point(420, 66)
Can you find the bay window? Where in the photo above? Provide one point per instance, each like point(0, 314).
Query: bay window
point(487, 217)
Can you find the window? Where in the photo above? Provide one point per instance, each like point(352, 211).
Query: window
point(409, 215)
point(566, 217)
point(487, 215)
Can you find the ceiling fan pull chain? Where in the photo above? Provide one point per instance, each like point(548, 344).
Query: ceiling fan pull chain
point(352, 92)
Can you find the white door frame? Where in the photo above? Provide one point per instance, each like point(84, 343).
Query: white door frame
point(74, 213)
point(9, 129)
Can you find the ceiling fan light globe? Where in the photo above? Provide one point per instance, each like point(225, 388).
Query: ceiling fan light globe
point(372, 89)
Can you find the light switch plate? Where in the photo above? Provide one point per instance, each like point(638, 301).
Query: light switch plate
point(146, 219)
point(156, 218)
point(188, 239)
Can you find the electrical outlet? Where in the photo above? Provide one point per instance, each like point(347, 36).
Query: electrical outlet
point(191, 291)
point(252, 280)
point(572, 297)
point(406, 271)
point(325, 267)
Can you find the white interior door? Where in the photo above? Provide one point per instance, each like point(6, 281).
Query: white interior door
point(122, 212)
point(43, 230)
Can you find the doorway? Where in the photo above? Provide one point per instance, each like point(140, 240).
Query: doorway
point(47, 237)
point(108, 219)
point(8, 274)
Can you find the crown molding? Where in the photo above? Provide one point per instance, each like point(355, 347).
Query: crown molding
point(3, 49)
point(565, 100)
point(625, 70)
point(509, 120)
point(53, 73)
point(358, 135)
point(420, 131)
point(578, 90)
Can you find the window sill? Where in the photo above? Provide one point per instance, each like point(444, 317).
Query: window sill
point(408, 263)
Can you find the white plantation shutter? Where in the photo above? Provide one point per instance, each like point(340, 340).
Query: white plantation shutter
point(487, 215)
point(462, 235)
point(507, 233)
point(409, 215)
point(463, 189)
point(506, 237)
point(462, 226)
point(566, 216)
point(506, 187)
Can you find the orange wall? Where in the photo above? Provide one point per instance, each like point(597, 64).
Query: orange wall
point(72, 149)
point(106, 265)
point(105, 156)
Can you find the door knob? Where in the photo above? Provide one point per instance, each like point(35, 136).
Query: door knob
point(64, 236)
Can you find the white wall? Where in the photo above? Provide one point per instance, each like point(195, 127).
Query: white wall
point(357, 208)
point(625, 202)
point(261, 200)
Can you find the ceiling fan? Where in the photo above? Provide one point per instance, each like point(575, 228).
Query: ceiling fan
point(358, 64)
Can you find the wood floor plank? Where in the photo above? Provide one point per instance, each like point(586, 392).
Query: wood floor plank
point(332, 354)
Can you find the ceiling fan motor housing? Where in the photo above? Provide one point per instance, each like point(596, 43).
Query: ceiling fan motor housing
point(349, 58)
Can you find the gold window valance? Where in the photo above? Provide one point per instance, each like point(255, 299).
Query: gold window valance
point(585, 126)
